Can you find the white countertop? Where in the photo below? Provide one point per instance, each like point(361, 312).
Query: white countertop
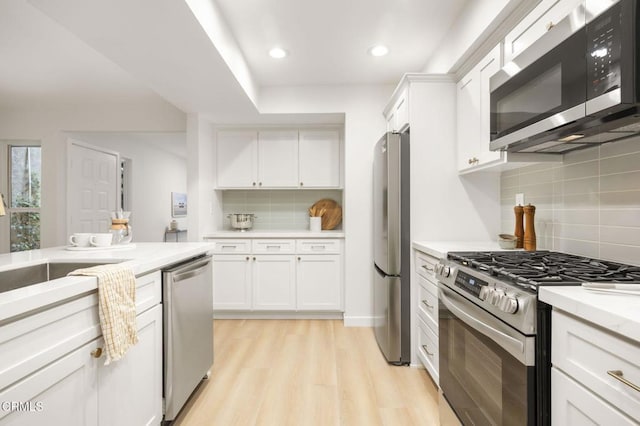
point(275, 234)
point(619, 313)
point(142, 257)
point(441, 248)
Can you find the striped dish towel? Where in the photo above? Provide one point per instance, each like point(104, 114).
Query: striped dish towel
point(116, 306)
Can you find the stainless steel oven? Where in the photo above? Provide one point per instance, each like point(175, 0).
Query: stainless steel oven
point(495, 335)
point(487, 368)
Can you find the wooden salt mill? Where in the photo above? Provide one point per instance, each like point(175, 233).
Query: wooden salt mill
point(519, 231)
point(529, 228)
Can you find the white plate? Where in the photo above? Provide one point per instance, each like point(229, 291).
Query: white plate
point(113, 247)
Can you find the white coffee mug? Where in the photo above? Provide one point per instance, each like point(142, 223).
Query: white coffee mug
point(101, 240)
point(80, 239)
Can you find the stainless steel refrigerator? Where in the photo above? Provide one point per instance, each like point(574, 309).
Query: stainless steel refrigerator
point(391, 285)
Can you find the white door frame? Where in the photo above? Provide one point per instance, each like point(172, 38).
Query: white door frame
point(70, 143)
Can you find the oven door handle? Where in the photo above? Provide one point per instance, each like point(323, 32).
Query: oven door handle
point(516, 344)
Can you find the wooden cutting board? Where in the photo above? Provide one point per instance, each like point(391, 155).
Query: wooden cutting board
point(332, 216)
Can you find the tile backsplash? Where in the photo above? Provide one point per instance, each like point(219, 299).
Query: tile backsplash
point(275, 209)
point(587, 205)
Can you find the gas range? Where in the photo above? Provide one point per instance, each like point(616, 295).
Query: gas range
point(506, 283)
point(495, 335)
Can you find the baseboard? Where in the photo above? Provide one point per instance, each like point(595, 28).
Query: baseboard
point(277, 315)
point(352, 321)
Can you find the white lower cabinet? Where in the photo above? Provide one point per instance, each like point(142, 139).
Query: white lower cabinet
point(52, 366)
point(64, 392)
point(130, 390)
point(308, 279)
point(426, 321)
point(274, 284)
point(232, 282)
point(595, 374)
point(319, 280)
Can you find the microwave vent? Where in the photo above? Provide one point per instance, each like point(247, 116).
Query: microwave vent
point(606, 137)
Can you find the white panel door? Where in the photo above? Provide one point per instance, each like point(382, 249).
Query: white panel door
point(62, 393)
point(138, 374)
point(274, 282)
point(319, 158)
point(236, 159)
point(468, 118)
point(92, 188)
point(278, 158)
point(231, 282)
point(319, 282)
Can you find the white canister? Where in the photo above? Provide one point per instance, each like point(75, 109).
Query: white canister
point(315, 224)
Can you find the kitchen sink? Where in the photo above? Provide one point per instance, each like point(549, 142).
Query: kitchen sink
point(34, 274)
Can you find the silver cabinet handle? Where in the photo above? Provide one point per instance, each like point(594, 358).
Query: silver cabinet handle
point(617, 374)
point(254, 184)
point(259, 183)
point(247, 258)
point(427, 303)
point(427, 268)
point(301, 184)
point(427, 350)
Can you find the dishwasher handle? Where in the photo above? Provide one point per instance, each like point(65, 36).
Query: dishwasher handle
point(191, 270)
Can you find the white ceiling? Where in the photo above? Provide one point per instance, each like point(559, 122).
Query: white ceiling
point(328, 40)
point(73, 50)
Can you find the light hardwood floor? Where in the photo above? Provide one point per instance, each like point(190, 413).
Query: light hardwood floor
point(307, 372)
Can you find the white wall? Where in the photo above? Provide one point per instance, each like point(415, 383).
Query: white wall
point(364, 124)
point(158, 167)
point(205, 209)
point(50, 125)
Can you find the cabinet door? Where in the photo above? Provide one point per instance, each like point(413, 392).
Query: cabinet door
point(319, 158)
point(274, 282)
point(63, 393)
point(468, 118)
point(236, 159)
point(541, 19)
point(573, 404)
point(402, 111)
point(489, 65)
point(231, 282)
point(278, 158)
point(319, 282)
point(130, 390)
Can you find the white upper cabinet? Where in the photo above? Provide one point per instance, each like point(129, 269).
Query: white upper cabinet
point(398, 115)
point(474, 112)
point(541, 19)
point(319, 158)
point(277, 158)
point(288, 158)
point(237, 159)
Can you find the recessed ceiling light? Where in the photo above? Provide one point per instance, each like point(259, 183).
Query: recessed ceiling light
point(379, 50)
point(278, 53)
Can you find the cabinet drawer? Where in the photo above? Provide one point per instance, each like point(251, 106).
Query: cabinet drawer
point(424, 265)
point(232, 246)
point(428, 350)
point(572, 403)
point(148, 291)
point(273, 246)
point(32, 342)
point(588, 353)
point(428, 303)
point(318, 246)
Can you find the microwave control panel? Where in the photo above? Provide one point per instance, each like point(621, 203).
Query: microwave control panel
point(603, 52)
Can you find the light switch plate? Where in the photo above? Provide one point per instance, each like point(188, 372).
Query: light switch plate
point(520, 199)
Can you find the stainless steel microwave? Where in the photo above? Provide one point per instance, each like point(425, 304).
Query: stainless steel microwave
point(574, 87)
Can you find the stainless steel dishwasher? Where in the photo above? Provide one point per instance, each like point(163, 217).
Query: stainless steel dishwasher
point(188, 330)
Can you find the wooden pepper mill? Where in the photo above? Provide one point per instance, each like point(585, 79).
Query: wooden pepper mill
point(529, 228)
point(519, 231)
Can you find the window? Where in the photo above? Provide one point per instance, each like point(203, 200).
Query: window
point(25, 177)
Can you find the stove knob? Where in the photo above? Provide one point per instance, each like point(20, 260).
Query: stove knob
point(484, 292)
point(447, 271)
point(437, 269)
point(509, 304)
point(496, 297)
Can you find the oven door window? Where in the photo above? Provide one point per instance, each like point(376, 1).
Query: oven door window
point(483, 383)
point(551, 84)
